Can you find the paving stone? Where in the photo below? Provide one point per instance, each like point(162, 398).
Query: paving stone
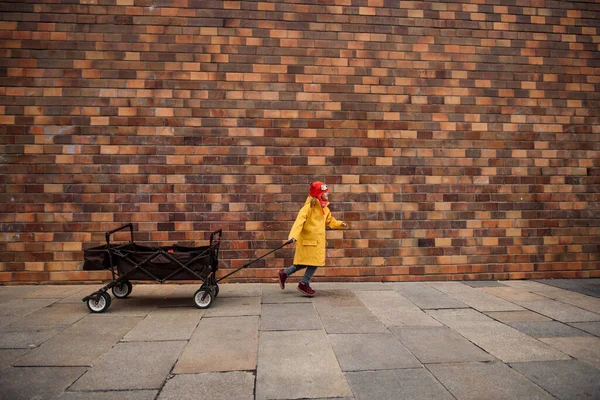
point(589, 287)
point(482, 284)
point(589, 327)
point(353, 286)
point(180, 296)
point(517, 316)
point(135, 365)
point(547, 329)
point(514, 295)
point(82, 343)
point(274, 294)
point(501, 341)
point(8, 293)
point(9, 356)
point(371, 351)
point(240, 290)
point(234, 306)
point(25, 338)
point(439, 345)
point(53, 315)
point(221, 344)
point(426, 297)
point(77, 297)
point(486, 381)
point(213, 386)
point(343, 318)
point(36, 383)
point(294, 365)
point(583, 348)
point(53, 292)
point(478, 299)
point(392, 309)
point(560, 311)
point(289, 317)
point(575, 299)
point(569, 379)
point(16, 309)
point(531, 286)
point(132, 306)
point(166, 324)
point(114, 395)
point(403, 384)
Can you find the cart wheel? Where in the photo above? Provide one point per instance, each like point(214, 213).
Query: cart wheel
point(200, 303)
point(216, 290)
point(101, 305)
point(122, 290)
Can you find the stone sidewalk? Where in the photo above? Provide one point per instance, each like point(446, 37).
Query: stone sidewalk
point(437, 340)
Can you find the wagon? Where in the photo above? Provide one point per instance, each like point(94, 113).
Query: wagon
point(130, 261)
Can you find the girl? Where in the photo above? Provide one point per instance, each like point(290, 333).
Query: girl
point(309, 233)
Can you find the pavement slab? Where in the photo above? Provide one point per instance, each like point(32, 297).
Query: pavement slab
point(355, 319)
point(392, 309)
point(583, 348)
point(405, 384)
point(486, 381)
point(132, 306)
point(8, 293)
point(501, 341)
point(272, 294)
point(589, 287)
point(54, 315)
point(82, 343)
point(239, 290)
point(9, 356)
point(135, 365)
point(210, 385)
point(439, 345)
point(476, 298)
point(221, 344)
point(36, 383)
point(545, 329)
point(26, 338)
point(289, 317)
point(588, 303)
point(514, 295)
point(113, 395)
point(517, 316)
point(16, 309)
point(166, 324)
point(482, 284)
point(566, 380)
point(589, 327)
point(426, 297)
point(53, 292)
point(560, 311)
point(296, 365)
point(233, 307)
point(371, 351)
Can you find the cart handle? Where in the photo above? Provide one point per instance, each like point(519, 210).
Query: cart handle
point(255, 260)
point(218, 232)
point(129, 225)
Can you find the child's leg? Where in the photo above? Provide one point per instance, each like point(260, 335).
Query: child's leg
point(308, 274)
point(293, 268)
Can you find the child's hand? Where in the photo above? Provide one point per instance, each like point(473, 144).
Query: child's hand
point(344, 224)
point(291, 240)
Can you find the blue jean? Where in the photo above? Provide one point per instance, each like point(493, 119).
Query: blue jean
point(310, 271)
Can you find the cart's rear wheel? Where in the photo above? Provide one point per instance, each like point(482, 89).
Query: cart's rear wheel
point(100, 305)
point(122, 290)
point(203, 298)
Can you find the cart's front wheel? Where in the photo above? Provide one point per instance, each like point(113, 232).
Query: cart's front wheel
point(100, 305)
point(122, 290)
point(203, 298)
point(216, 289)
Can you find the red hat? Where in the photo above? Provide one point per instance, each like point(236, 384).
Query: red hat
point(317, 189)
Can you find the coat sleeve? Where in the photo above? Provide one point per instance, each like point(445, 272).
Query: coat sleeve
point(299, 223)
point(332, 222)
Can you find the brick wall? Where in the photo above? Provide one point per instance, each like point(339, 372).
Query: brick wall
point(461, 139)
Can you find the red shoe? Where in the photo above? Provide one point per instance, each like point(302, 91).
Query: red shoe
point(282, 278)
point(306, 290)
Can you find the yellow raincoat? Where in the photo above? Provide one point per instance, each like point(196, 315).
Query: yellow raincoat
point(309, 232)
